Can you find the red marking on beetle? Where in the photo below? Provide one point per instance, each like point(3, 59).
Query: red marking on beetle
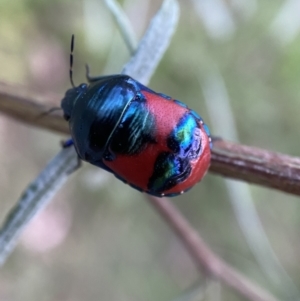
point(137, 169)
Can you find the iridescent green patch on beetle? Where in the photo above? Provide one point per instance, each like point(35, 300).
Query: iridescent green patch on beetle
point(169, 170)
point(185, 139)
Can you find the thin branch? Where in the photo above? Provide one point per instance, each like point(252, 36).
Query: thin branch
point(204, 257)
point(241, 162)
point(30, 107)
point(124, 24)
point(36, 197)
point(255, 165)
point(149, 53)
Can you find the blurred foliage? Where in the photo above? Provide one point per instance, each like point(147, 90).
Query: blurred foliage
point(113, 246)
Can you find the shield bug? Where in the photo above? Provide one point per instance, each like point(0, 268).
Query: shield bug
point(149, 140)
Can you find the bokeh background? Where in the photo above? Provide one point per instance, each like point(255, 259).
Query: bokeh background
point(237, 63)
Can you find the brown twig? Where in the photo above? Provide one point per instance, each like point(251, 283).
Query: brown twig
point(255, 165)
point(30, 107)
point(229, 159)
point(204, 257)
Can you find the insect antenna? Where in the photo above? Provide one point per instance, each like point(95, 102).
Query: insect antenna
point(71, 79)
point(71, 60)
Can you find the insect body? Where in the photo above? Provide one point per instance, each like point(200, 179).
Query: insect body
point(148, 140)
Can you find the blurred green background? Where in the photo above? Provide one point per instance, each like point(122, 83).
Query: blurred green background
point(99, 239)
